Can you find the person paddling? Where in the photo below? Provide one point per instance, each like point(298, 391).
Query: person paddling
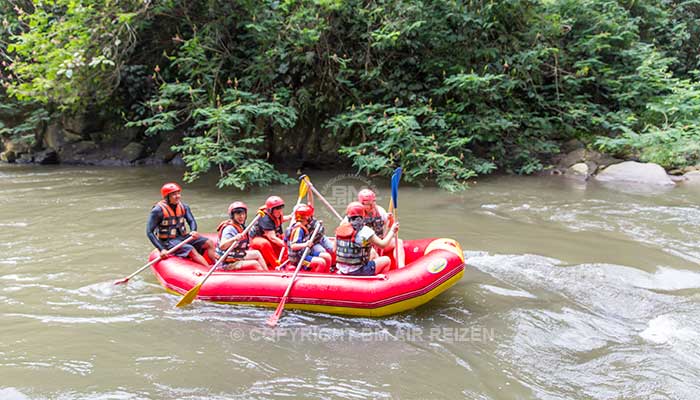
point(230, 231)
point(354, 241)
point(166, 227)
point(297, 239)
point(267, 236)
point(379, 220)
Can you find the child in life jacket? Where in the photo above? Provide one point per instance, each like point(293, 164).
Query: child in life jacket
point(230, 231)
point(298, 238)
point(354, 241)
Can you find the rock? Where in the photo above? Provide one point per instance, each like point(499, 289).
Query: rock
point(678, 178)
point(8, 156)
point(676, 172)
point(178, 161)
point(53, 137)
point(579, 170)
point(45, 157)
point(584, 155)
point(592, 167)
point(164, 151)
point(70, 137)
point(635, 172)
point(85, 147)
point(603, 160)
point(572, 158)
point(17, 147)
point(132, 152)
point(81, 124)
point(692, 178)
point(571, 145)
point(25, 158)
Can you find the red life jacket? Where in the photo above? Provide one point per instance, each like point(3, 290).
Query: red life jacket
point(173, 223)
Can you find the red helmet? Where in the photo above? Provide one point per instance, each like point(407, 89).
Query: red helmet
point(355, 209)
point(273, 201)
point(366, 195)
point(237, 206)
point(303, 211)
point(169, 188)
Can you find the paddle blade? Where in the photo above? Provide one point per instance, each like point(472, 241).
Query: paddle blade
point(119, 282)
point(395, 178)
point(189, 296)
point(272, 321)
point(303, 188)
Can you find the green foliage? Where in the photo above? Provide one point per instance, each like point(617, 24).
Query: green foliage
point(70, 51)
point(446, 89)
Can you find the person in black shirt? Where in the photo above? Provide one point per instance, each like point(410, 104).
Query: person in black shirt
point(268, 235)
point(166, 227)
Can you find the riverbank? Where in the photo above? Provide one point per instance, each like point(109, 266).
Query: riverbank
point(80, 141)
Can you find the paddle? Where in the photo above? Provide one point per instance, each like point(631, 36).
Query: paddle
point(125, 280)
point(313, 189)
point(278, 312)
point(303, 188)
point(192, 293)
point(395, 178)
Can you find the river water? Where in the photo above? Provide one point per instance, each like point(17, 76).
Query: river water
point(572, 292)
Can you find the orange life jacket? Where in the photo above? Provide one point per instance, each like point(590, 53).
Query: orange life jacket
point(173, 223)
point(238, 252)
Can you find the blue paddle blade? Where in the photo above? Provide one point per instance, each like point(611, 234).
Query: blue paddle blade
point(395, 178)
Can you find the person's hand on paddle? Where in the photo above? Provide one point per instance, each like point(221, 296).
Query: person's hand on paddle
point(395, 227)
point(164, 253)
point(238, 237)
point(308, 243)
point(194, 234)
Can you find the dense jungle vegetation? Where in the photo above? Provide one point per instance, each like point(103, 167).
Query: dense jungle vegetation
point(447, 89)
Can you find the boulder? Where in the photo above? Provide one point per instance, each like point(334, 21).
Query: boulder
point(164, 151)
point(8, 156)
point(69, 137)
point(25, 158)
point(81, 124)
point(635, 172)
point(84, 147)
point(132, 152)
point(692, 178)
point(578, 171)
point(178, 161)
point(572, 158)
point(45, 157)
point(571, 145)
point(53, 137)
point(584, 155)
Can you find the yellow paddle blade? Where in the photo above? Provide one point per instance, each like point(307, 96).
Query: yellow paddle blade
point(303, 189)
point(189, 296)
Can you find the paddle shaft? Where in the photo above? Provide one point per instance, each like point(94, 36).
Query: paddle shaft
point(155, 260)
point(291, 221)
point(278, 312)
point(301, 262)
point(323, 200)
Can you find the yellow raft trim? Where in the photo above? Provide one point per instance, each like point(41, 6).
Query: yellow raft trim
point(394, 308)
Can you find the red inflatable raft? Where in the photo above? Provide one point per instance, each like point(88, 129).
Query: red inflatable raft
point(432, 266)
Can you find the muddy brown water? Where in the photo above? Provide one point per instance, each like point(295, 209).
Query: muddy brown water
point(572, 292)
